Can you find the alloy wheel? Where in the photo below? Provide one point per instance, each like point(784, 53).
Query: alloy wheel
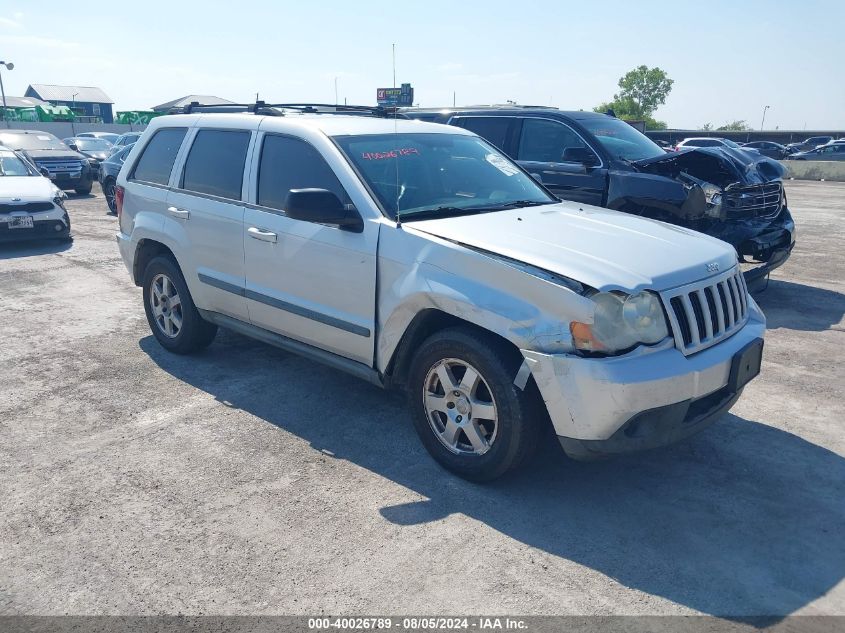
point(460, 407)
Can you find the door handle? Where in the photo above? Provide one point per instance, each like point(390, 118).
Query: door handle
point(179, 213)
point(262, 234)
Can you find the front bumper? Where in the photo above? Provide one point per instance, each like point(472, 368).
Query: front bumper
point(48, 225)
point(646, 398)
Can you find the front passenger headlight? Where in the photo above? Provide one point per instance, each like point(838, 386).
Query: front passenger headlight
point(620, 322)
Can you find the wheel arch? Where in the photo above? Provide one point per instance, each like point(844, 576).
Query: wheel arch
point(146, 250)
point(425, 324)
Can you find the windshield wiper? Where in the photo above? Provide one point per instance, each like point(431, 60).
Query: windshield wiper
point(516, 204)
point(447, 211)
point(439, 212)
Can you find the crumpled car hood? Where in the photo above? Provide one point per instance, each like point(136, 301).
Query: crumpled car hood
point(722, 166)
point(601, 248)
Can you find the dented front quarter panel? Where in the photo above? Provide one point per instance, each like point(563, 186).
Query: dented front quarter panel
point(420, 272)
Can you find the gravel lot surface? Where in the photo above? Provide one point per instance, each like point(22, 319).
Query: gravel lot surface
point(250, 481)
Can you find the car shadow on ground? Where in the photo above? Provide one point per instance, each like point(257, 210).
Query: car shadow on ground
point(72, 195)
point(744, 519)
point(796, 306)
point(14, 250)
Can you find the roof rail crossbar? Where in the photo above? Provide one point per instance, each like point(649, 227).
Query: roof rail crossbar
point(277, 109)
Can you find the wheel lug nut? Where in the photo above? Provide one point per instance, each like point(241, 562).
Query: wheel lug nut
point(450, 405)
point(459, 418)
point(457, 393)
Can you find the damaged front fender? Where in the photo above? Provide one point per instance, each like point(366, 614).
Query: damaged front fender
point(421, 272)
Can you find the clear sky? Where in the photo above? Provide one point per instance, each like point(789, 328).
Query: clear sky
point(728, 58)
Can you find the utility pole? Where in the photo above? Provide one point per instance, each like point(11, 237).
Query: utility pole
point(10, 66)
point(335, 91)
point(394, 65)
point(763, 122)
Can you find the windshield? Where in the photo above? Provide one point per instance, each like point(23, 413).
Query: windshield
point(92, 144)
point(436, 175)
point(39, 140)
point(11, 165)
point(730, 143)
point(621, 140)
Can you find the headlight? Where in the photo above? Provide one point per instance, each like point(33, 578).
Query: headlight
point(621, 322)
point(59, 198)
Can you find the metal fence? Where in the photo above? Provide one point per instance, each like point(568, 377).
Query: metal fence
point(66, 129)
point(778, 136)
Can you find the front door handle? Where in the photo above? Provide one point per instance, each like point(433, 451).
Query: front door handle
point(179, 213)
point(262, 234)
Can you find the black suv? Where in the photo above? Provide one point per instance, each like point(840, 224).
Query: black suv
point(66, 168)
point(734, 195)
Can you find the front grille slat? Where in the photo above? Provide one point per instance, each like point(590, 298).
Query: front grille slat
point(708, 318)
point(723, 287)
point(706, 312)
point(690, 316)
point(737, 304)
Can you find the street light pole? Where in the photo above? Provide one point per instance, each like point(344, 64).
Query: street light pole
point(763, 122)
point(10, 66)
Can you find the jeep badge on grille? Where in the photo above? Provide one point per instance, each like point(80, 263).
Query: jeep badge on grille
point(713, 267)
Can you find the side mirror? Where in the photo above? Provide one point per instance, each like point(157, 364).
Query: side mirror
point(323, 207)
point(73, 146)
point(44, 172)
point(583, 155)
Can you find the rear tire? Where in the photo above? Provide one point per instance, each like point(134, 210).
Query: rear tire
point(478, 432)
point(173, 318)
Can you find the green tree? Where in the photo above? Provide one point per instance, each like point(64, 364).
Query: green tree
point(735, 126)
point(642, 90)
point(707, 127)
point(645, 88)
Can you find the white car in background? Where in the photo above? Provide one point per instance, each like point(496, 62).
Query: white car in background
point(711, 141)
point(31, 206)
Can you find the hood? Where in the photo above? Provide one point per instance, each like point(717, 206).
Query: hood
point(605, 249)
point(27, 188)
point(45, 154)
point(95, 155)
point(720, 165)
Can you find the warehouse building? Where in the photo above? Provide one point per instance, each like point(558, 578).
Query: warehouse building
point(85, 101)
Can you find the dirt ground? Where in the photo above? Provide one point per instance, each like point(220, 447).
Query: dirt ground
point(250, 481)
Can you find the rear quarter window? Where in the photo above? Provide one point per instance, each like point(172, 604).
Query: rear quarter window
point(157, 158)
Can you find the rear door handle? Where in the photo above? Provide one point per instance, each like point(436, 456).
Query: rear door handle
point(262, 234)
point(179, 213)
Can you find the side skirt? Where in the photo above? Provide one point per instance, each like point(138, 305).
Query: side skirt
point(359, 370)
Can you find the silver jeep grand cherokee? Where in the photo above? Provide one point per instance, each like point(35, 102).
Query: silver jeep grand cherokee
point(417, 255)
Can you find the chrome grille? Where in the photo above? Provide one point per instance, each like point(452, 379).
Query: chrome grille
point(754, 201)
point(708, 311)
point(60, 166)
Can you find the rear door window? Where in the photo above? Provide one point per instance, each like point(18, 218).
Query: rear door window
point(157, 159)
point(493, 128)
point(291, 163)
point(215, 164)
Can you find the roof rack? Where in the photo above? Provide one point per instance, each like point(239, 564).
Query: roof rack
point(278, 109)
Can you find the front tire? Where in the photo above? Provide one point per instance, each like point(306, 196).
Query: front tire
point(468, 413)
point(173, 318)
point(83, 191)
